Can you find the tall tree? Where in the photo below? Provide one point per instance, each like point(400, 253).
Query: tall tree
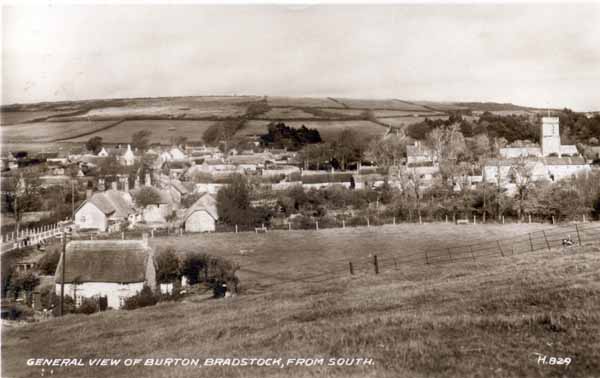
point(94, 144)
point(140, 140)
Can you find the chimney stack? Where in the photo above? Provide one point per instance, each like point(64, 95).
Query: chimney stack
point(136, 183)
point(126, 184)
point(148, 180)
point(113, 185)
point(101, 185)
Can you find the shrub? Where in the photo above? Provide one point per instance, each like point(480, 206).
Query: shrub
point(48, 263)
point(88, 306)
point(192, 266)
point(142, 299)
point(167, 266)
point(213, 271)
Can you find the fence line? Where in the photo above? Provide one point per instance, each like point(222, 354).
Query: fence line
point(525, 243)
point(27, 237)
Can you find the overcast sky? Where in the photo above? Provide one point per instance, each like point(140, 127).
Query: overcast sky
point(537, 55)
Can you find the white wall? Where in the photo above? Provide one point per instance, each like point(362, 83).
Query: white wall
point(200, 221)
point(114, 292)
point(89, 216)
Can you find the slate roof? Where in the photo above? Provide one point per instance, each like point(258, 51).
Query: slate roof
point(207, 203)
point(111, 202)
point(118, 261)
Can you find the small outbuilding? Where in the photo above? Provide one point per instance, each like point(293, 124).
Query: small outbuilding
point(202, 215)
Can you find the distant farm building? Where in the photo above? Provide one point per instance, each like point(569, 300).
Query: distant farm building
point(202, 215)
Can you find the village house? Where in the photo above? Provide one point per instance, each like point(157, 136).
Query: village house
point(106, 210)
point(418, 153)
point(202, 215)
point(128, 158)
point(111, 269)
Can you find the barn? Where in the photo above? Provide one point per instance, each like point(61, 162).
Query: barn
point(115, 269)
point(202, 215)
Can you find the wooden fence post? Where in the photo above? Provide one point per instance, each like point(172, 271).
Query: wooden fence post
point(376, 264)
point(351, 268)
point(317, 225)
point(546, 239)
point(529, 218)
point(420, 220)
point(530, 242)
point(578, 235)
point(394, 221)
point(368, 223)
point(583, 218)
point(446, 218)
point(474, 219)
point(343, 223)
point(289, 226)
point(472, 254)
point(553, 220)
point(500, 248)
point(426, 258)
point(503, 219)
point(122, 235)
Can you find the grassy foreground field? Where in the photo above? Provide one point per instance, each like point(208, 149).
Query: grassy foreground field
point(484, 318)
point(475, 319)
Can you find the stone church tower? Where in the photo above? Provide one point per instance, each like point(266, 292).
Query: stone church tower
point(550, 136)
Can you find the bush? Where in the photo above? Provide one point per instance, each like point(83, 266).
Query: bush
point(144, 298)
point(167, 266)
point(48, 263)
point(213, 271)
point(88, 306)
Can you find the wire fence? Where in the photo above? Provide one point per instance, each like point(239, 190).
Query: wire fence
point(563, 236)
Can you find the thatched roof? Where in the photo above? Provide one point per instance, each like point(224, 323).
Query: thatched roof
point(118, 261)
point(207, 203)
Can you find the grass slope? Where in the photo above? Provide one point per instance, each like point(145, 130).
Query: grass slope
point(477, 319)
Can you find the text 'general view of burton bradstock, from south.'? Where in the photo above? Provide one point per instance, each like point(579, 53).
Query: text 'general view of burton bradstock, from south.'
point(300, 190)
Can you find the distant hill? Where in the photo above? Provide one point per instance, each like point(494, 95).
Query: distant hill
point(115, 120)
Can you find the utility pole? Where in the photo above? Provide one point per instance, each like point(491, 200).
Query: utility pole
point(73, 200)
point(62, 273)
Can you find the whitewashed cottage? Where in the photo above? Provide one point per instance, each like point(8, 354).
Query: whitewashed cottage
point(115, 269)
point(106, 211)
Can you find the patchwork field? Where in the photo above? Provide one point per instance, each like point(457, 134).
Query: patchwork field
point(286, 113)
point(405, 121)
point(76, 121)
point(303, 102)
point(50, 131)
point(329, 130)
point(13, 118)
point(391, 104)
point(162, 131)
point(488, 318)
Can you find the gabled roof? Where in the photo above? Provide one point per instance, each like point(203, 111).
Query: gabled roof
point(111, 202)
point(180, 187)
point(118, 261)
point(207, 203)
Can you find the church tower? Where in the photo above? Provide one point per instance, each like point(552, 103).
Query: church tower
point(550, 136)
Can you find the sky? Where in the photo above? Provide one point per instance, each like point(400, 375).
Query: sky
point(542, 55)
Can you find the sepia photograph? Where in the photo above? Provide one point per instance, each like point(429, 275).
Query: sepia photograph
point(300, 189)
